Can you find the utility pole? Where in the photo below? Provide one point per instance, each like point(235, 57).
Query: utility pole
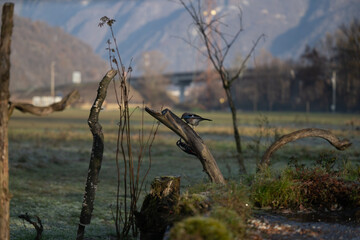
point(52, 80)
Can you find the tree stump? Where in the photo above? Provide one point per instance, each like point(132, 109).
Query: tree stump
point(157, 211)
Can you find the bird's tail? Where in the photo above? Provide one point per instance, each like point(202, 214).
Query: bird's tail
point(206, 119)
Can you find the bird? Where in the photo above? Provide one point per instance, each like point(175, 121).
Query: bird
point(193, 119)
point(185, 147)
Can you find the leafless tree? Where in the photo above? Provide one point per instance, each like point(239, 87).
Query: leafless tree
point(218, 44)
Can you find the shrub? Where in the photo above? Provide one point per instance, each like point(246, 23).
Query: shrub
point(200, 228)
point(275, 192)
point(233, 221)
point(311, 188)
point(192, 204)
point(228, 204)
point(326, 191)
point(232, 196)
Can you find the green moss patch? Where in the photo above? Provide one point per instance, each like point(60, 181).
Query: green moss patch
point(200, 228)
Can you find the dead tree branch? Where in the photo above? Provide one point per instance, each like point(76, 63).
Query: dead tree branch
point(72, 97)
point(183, 130)
point(96, 155)
point(37, 225)
point(304, 133)
point(241, 69)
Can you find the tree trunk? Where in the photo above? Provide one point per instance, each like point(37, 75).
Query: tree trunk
point(96, 155)
point(6, 32)
point(239, 155)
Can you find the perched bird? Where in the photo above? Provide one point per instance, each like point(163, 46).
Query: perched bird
point(185, 147)
point(193, 119)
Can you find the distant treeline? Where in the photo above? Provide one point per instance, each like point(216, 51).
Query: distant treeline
point(325, 78)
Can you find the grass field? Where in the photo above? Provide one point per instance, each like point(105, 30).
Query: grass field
point(49, 159)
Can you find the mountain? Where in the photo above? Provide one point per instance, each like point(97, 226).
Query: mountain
point(36, 45)
point(319, 18)
point(144, 25)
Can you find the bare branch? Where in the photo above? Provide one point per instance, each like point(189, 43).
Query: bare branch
point(304, 133)
point(37, 225)
point(217, 50)
point(229, 45)
point(192, 45)
point(72, 97)
point(242, 67)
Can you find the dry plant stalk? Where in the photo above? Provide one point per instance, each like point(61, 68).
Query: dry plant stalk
point(132, 181)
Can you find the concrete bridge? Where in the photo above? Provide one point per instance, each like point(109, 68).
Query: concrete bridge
point(184, 79)
point(180, 80)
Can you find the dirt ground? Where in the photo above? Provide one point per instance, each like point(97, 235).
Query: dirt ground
point(337, 225)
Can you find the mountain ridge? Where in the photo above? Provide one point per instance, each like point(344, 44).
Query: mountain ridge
point(159, 25)
point(36, 45)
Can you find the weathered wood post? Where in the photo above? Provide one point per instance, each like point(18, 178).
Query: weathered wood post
point(96, 155)
point(5, 44)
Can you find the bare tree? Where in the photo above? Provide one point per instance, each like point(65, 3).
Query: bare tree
point(218, 44)
point(347, 58)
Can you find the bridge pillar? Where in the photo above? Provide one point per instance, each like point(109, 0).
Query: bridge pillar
point(182, 93)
